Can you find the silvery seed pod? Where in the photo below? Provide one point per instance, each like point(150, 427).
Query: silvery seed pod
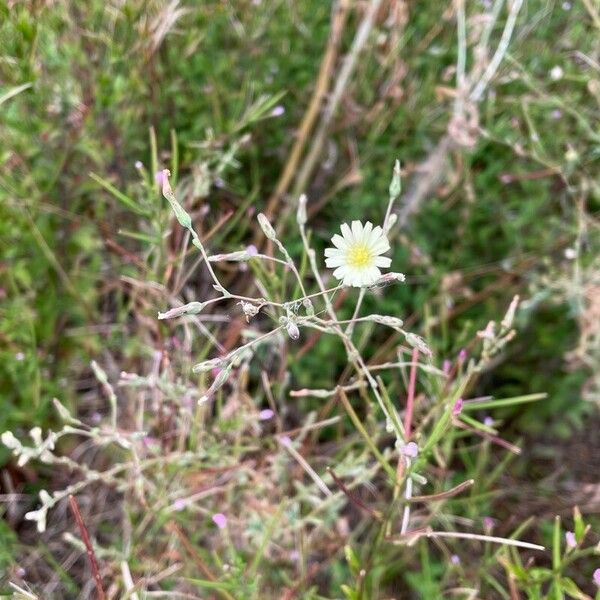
point(293, 330)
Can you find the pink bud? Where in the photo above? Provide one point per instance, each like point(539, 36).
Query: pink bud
point(597, 577)
point(462, 356)
point(179, 504)
point(285, 440)
point(457, 408)
point(266, 414)
point(220, 520)
point(570, 539)
point(252, 250)
point(455, 559)
point(488, 524)
point(278, 111)
point(446, 367)
point(159, 178)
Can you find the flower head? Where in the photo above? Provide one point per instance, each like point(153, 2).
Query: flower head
point(356, 257)
point(220, 520)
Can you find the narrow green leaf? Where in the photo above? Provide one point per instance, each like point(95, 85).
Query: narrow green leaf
point(504, 402)
point(120, 196)
point(14, 92)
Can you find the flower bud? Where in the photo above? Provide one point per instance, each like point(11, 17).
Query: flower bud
point(396, 183)
point(239, 256)
point(387, 320)
point(266, 227)
point(308, 307)
point(416, 341)
point(193, 308)
point(457, 408)
point(301, 213)
point(207, 365)
point(510, 313)
point(387, 279)
point(391, 222)
point(184, 219)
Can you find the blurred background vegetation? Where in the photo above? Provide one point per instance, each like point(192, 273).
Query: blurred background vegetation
point(216, 92)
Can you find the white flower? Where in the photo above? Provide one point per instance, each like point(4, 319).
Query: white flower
point(356, 257)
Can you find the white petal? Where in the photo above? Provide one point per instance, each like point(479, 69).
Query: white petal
point(380, 246)
point(357, 230)
point(352, 280)
point(346, 232)
point(341, 272)
point(372, 275)
point(339, 242)
point(382, 261)
point(335, 261)
point(367, 232)
point(334, 252)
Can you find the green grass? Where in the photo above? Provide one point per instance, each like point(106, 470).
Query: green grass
point(90, 254)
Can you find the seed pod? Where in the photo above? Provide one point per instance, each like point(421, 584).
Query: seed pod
point(293, 330)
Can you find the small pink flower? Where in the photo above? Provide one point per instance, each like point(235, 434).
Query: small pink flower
point(285, 440)
point(179, 504)
point(278, 111)
point(266, 414)
point(570, 539)
point(462, 356)
point(457, 408)
point(488, 421)
point(597, 577)
point(488, 524)
point(411, 450)
point(220, 520)
point(158, 178)
point(455, 559)
point(446, 367)
point(252, 250)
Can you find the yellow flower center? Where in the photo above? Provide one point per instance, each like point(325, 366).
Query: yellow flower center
point(359, 256)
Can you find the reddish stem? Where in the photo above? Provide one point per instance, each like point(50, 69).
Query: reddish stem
point(88, 546)
point(410, 400)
